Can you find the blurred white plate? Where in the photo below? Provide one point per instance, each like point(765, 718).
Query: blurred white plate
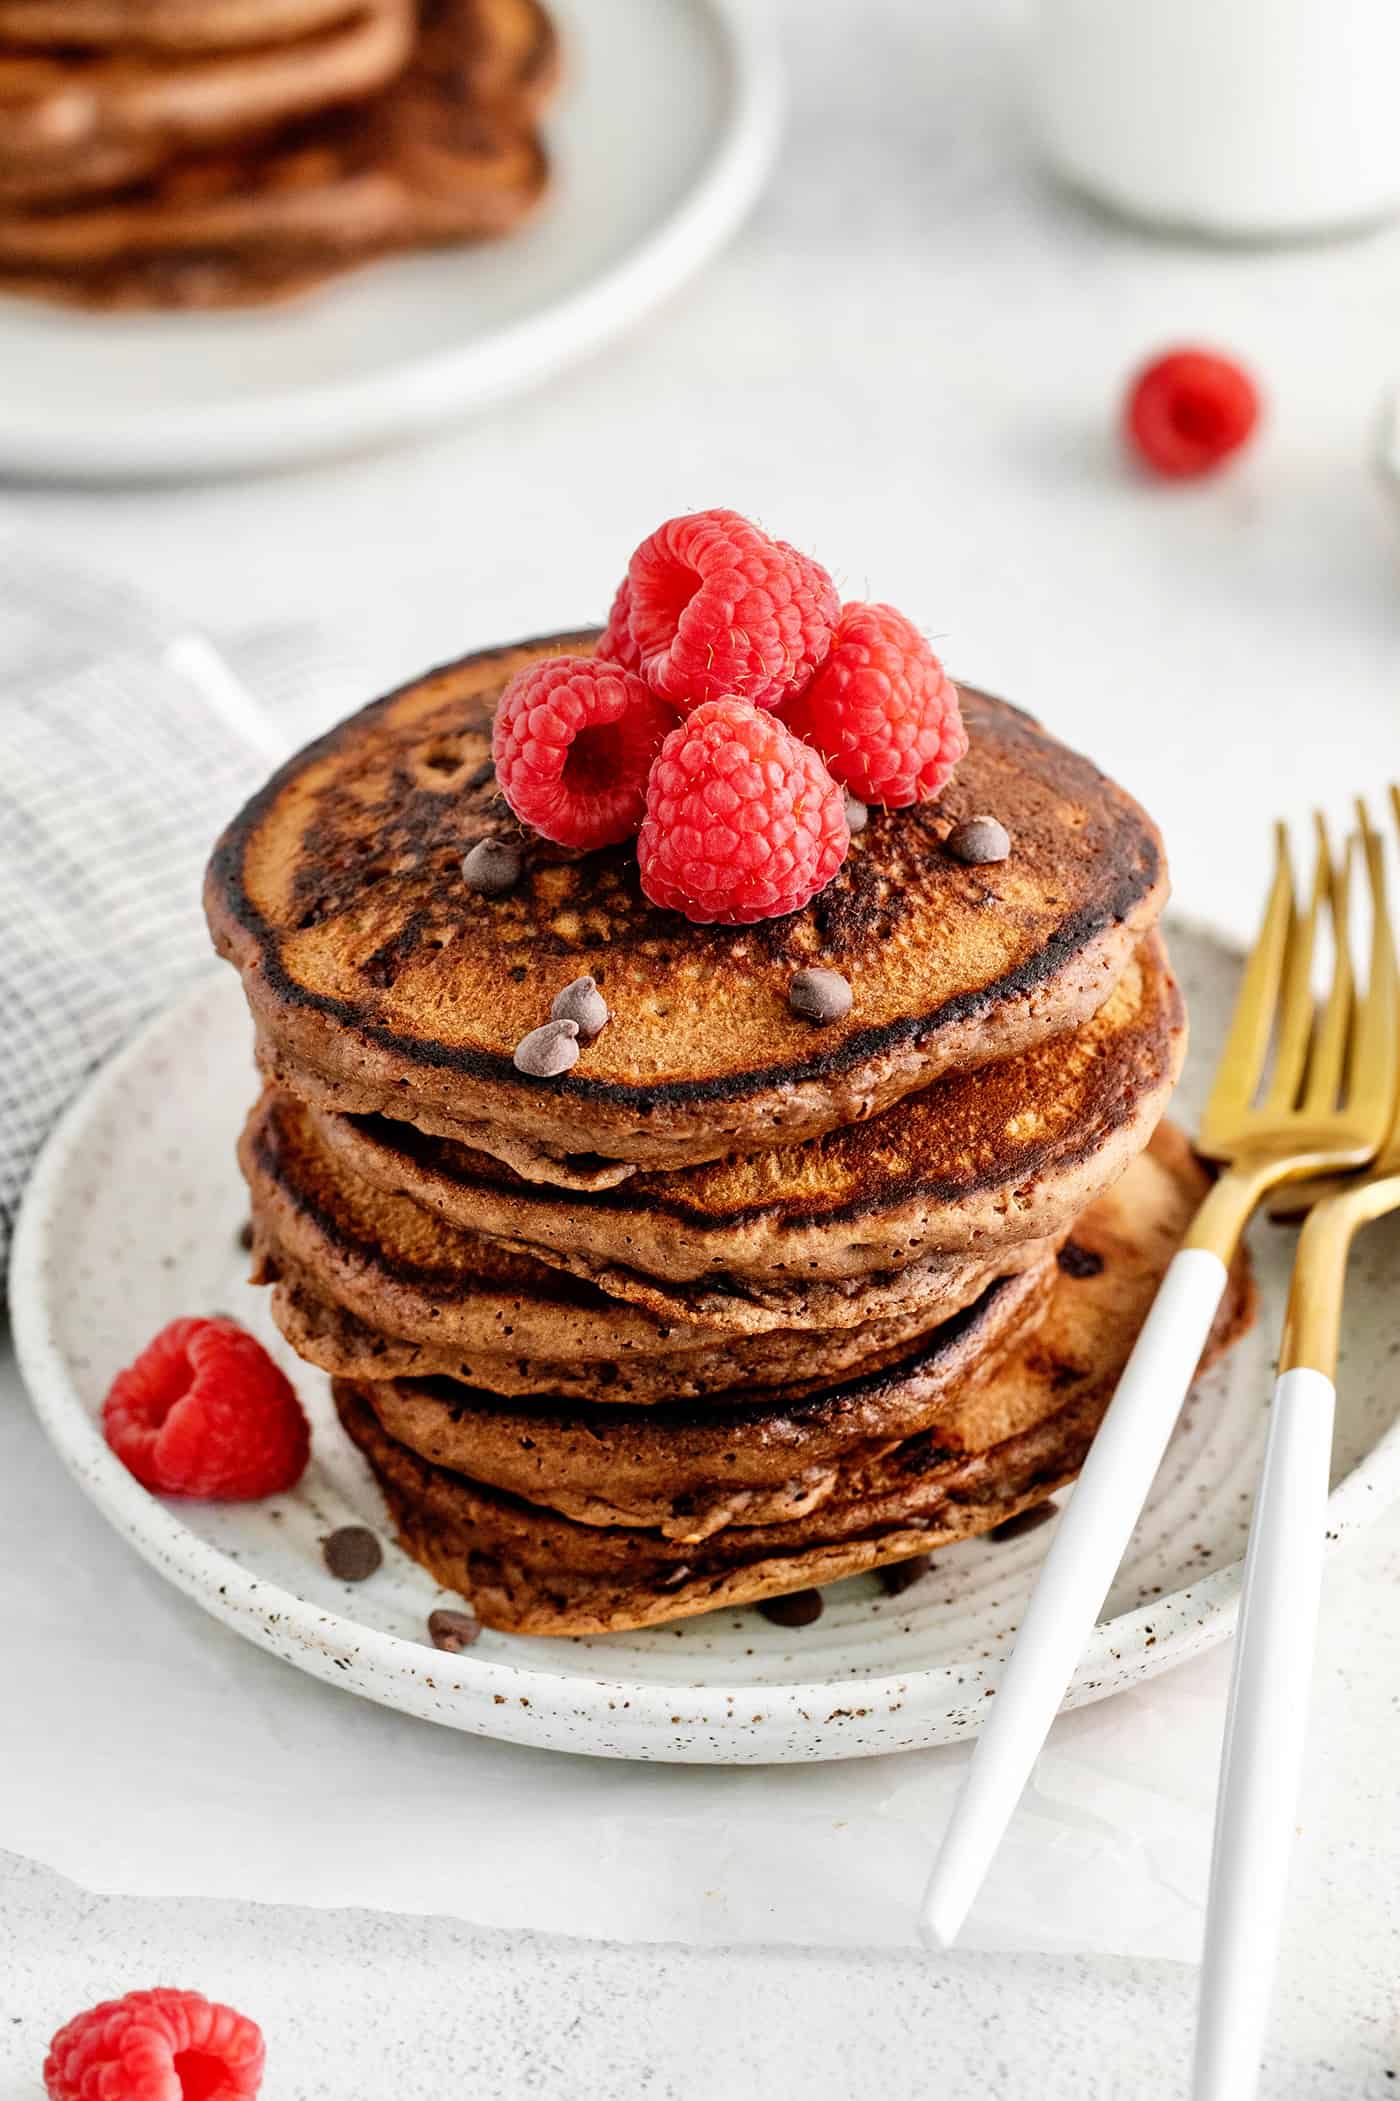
point(662, 138)
point(133, 1217)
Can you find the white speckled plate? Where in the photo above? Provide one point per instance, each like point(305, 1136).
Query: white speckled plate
point(133, 1218)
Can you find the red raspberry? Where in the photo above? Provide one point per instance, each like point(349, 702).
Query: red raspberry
point(1188, 411)
point(743, 820)
point(155, 2046)
point(205, 1412)
point(718, 609)
point(617, 644)
point(882, 711)
point(573, 743)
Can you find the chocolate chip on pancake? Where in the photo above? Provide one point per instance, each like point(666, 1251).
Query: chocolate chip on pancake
point(820, 996)
point(978, 840)
point(548, 1050)
point(582, 1003)
point(492, 868)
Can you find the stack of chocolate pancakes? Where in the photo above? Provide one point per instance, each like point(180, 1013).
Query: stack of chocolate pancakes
point(740, 1303)
point(214, 152)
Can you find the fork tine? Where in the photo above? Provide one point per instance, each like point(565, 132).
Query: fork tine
point(1375, 1053)
point(1296, 1004)
point(1330, 1039)
point(1251, 1025)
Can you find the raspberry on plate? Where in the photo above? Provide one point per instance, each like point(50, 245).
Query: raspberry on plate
point(717, 609)
point(205, 1412)
point(1188, 411)
point(617, 644)
point(161, 2045)
point(743, 820)
point(573, 744)
point(882, 711)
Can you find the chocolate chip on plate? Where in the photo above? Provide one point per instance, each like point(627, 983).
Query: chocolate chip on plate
point(584, 1003)
point(899, 1576)
point(548, 1050)
point(978, 840)
point(820, 996)
point(453, 1631)
point(857, 815)
point(799, 1608)
point(492, 867)
point(351, 1553)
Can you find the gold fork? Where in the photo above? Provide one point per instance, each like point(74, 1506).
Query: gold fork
point(1325, 1106)
point(1265, 1719)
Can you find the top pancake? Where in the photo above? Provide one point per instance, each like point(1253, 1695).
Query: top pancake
point(380, 984)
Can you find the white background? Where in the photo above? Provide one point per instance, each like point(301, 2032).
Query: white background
point(909, 363)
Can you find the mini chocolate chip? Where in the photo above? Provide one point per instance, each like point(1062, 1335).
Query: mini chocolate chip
point(453, 1631)
point(492, 867)
point(820, 996)
point(245, 1236)
point(548, 1050)
point(1024, 1521)
point(584, 1003)
point(1077, 1261)
point(899, 1576)
point(857, 816)
point(979, 839)
point(798, 1609)
point(352, 1553)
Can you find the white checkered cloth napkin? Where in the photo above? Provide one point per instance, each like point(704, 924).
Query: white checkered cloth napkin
point(125, 745)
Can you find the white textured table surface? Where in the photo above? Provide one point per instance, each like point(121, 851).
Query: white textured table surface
point(908, 363)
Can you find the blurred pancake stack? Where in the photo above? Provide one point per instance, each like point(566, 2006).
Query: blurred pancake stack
point(736, 1304)
point(207, 153)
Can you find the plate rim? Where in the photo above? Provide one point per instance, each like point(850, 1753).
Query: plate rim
point(513, 1699)
point(294, 425)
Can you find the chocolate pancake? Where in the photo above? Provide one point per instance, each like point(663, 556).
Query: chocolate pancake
point(690, 1468)
point(1020, 1434)
point(381, 985)
point(164, 25)
point(356, 1266)
point(976, 1161)
point(78, 122)
point(447, 152)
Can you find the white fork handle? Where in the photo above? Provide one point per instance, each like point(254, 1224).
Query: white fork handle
point(1265, 1724)
point(1088, 1545)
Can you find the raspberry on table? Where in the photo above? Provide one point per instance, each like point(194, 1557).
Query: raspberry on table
point(882, 711)
point(1189, 410)
point(205, 1412)
point(573, 744)
point(617, 644)
point(743, 820)
point(160, 2045)
point(717, 608)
